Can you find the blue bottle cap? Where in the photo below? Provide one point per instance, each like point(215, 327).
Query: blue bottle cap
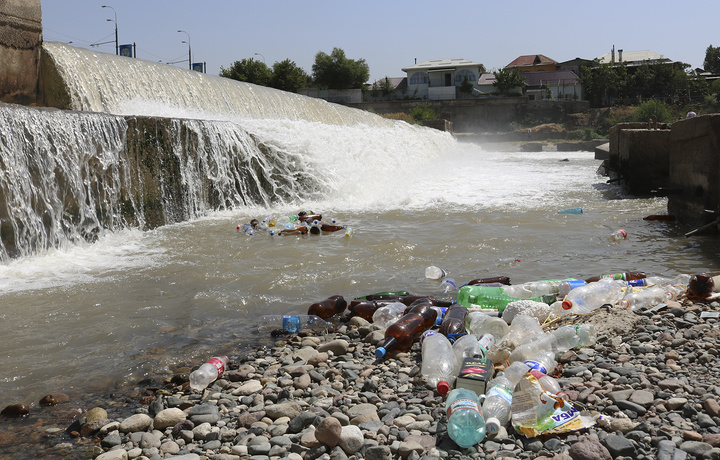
point(380, 352)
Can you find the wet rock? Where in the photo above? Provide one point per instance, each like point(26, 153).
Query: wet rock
point(15, 410)
point(54, 399)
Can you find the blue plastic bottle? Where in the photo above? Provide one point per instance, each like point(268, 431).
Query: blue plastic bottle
point(465, 422)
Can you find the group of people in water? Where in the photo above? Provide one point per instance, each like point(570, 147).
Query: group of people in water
point(305, 223)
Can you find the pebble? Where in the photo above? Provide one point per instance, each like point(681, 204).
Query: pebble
point(328, 397)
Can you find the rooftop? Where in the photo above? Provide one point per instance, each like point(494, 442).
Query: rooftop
point(531, 60)
point(633, 57)
point(442, 64)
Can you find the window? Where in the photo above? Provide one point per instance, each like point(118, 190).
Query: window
point(419, 78)
point(462, 74)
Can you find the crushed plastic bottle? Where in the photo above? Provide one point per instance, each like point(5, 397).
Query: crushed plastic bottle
point(465, 421)
point(587, 335)
point(439, 366)
point(480, 323)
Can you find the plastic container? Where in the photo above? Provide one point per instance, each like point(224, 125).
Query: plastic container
point(593, 296)
point(439, 366)
point(493, 298)
point(498, 398)
point(543, 361)
point(617, 235)
point(571, 211)
point(465, 422)
point(469, 346)
point(586, 334)
point(447, 289)
point(492, 280)
point(542, 288)
point(564, 338)
point(434, 273)
point(480, 323)
point(333, 305)
point(627, 276)
point(453, 322)
point(294, 324)
point(206, 374)
point(639, 298)
point(364, 308)
point(548, 383)
point(700, 286)
point(388, 314)
point(401, 335)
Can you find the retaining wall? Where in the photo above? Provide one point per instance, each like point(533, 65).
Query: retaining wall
point(20, 41)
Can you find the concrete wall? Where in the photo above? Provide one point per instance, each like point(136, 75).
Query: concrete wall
point(20, 40)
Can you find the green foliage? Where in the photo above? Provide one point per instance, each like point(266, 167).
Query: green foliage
point(712, 59)
point(653, 110)
point(248, 70)
point(466, 86)
point(584, 134)
point(603, 82)
point(386, 88)
point(507, 80)
point(287, 76)
point(423, 113)
point(336, 71)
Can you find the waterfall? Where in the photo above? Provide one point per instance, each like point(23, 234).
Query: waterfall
point(99, 82)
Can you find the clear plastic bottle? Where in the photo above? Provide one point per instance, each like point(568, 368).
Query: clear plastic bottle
point(480, 323)
point(639, 298)
point(587, 335)
point(439, 366)
point(531, 345)
point(293, 324)
point(465, 421)
point(388, 314)
point(564, 338)
point(543, 361)
point(434, 273)
point(617, 235)
point(548, 383)
point(594, 295)
point(206, 374)
point(469, 346)
point(498, 398)
point(447, 289)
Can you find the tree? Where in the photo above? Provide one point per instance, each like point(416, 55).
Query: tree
point(386, 87)
point(336, 71)
point(248, 70)
point(712, 59)
point(466, 86)
point(507, 80)
point(287, 76)
point(604, 82)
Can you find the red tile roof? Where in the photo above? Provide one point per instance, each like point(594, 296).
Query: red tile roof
point(530, 60)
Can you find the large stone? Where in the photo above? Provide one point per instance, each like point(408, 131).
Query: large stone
point(118, 454)
point(619, 446)
point(642, 397)
point(328, 431)
point(337, 346)
point(168, 417)
point(696, 448)
point(351, 439)
point(135, 423)
point(289, 409)
point(54, 399)
point(248, 388)
point(589, 449)
point(96, 413)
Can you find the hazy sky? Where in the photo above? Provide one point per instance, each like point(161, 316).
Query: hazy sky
point(388, 35)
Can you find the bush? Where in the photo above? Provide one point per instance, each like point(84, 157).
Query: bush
point(655, 110)
point(423, 113)
point(400, 116)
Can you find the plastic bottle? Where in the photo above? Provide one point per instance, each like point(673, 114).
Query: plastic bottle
point(384, 293)
point(480, 323)
point(206, 374)
point(587, 335)
point(468, 346)
point(453, 323)
point(439, 366)
point(492, 298)
point(627, 276)
point(293, 324)
point(564, 338)
point(410, 299)
point(543, 361)
point(434, 273)
point(617, 235)
point(700, 286)
point(492, 280)
point(329, 307)
point(593, 296)
point(571, 211)
point(365, 308)
point(565, 286)
point(401, 335)
point(388, 314)
point(542, 288)
point(498, 398)
point(548, 383)
point(447, 289)
point(639, 298)
point(465, 422)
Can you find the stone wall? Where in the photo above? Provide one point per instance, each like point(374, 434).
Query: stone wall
point(20, 41)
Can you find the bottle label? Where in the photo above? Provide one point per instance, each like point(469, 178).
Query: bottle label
point(501, 391)
point(536, 366)
point(219, 365)
point(291, 324)
point(462, 404)
point(615, 276)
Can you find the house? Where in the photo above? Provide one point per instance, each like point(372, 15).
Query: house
point(633, 58)
point(533, 63)
point(441, 78)
point(557, 84)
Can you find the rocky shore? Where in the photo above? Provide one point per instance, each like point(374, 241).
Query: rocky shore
point(653, 376)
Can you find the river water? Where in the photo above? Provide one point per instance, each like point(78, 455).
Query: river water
point(135, 303)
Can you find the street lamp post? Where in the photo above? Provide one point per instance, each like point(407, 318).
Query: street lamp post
point(189, 48)
point(258, 54)
point(117, 47)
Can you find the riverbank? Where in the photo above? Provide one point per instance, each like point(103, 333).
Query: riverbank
point(651, 376)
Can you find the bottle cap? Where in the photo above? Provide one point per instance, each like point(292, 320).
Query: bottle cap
point(492, 426)
point(623, 233)
point(443, 387)
point(624, 303)
point(567, 304)
point(380, 352)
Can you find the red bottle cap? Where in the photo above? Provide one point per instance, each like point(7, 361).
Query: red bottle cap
point(443, 387)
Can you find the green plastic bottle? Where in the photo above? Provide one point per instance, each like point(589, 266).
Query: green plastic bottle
point(493, 298)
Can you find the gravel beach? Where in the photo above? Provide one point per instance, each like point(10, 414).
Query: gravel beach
point(651, 375)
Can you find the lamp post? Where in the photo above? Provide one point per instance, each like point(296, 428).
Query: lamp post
point(258, 54)
point(117, 47)
point(189, 49)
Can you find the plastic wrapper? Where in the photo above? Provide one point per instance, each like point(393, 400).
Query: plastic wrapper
point(536, 412)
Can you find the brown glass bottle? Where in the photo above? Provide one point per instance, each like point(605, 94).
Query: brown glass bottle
point(495, 279)
point(627, 276)
point(401, 335)
point(453, 323)
point(700, 286)
point(329, 307)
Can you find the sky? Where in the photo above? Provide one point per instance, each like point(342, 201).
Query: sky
point(387, 35)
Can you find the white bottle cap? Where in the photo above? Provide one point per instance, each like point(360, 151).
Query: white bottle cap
point(492, 426)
